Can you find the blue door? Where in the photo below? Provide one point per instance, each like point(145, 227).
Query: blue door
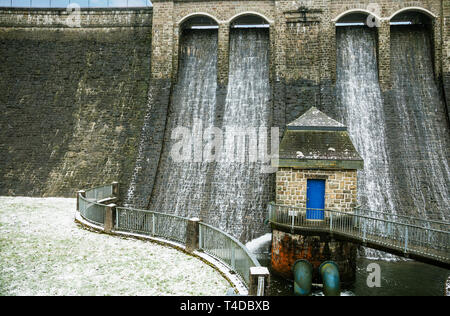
point(315, 203)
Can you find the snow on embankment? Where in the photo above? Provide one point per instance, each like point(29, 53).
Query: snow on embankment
point(43, 252)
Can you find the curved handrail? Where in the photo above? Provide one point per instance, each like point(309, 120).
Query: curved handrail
point(364, 216)
point(241, 245)
point(227, 249)
point(99, 190)
point(96, 217)
point(166, 226)
point(145, 222)
point(360, 207)
point(392, 235)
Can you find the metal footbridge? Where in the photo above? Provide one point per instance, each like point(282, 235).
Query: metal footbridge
point(419, 239)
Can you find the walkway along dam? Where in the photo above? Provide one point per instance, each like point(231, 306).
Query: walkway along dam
point(88, 105)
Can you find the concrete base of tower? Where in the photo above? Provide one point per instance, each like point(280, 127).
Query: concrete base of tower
point(287, 248)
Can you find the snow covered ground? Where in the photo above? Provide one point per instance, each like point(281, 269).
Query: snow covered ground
point(43, 252)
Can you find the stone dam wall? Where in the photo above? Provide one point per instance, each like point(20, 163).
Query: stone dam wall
point(73, 100)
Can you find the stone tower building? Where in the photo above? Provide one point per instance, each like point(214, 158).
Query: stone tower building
point(76, 100)
point(317, 172)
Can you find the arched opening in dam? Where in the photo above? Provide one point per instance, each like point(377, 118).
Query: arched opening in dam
point(249, 21)
point(356, 18)
point(399, 133)
point(419, 146)
point(240, 189)
point(181, 184)
point(213, 175)
point(360, 107)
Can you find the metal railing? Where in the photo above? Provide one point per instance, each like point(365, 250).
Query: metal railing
point(405, 234)
point(91, 211)
point(227, 249)
point(151, 223)
point(100, 192)
point(211, 240)
point(411, 220)
point(89, 207)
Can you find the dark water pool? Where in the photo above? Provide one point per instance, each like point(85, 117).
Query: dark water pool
point(398, 278)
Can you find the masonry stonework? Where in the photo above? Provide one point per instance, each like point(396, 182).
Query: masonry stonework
point(103, 71)
point(287, 248)
point(223, 12)
point(340, 187)
point(314, 147)
point(445, 22)
point(72, 100)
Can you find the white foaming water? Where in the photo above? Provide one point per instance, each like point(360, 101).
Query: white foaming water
point(361, 108)
point(260, 244)
point(408, 173)
point(423, 134)
point(180, 186)
point(240, 192)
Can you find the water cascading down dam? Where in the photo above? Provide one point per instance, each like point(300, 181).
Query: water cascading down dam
point(223, 185)
point(400, 133)
point(419, 147)
point(181, 186)
point(360, 107)
point(406, 165)
point(240, 188)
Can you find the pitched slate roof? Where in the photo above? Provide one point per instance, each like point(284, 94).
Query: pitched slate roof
point(314, 119)
point(316, 141)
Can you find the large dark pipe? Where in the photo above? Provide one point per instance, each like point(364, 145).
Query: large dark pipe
point(303, 272)
point(330, 278)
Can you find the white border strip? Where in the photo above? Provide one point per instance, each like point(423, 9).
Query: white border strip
point(414, 9)
point(204, 14)
point(351, 11)
point(363, 11)
point(238, 15)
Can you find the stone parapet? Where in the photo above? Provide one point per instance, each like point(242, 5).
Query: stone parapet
point(88, 18)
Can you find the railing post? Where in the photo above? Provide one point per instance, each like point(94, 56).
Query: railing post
point(192, 234)
point(115, 189)
point(364, 231)
point(83, 194)
point(406, 239)
point(272, 211)
point(153, 224)
point(331, 221)
point(109, 218)
point(255, 274)
point(293, 221)
point(200, 238)
point(233, 257)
